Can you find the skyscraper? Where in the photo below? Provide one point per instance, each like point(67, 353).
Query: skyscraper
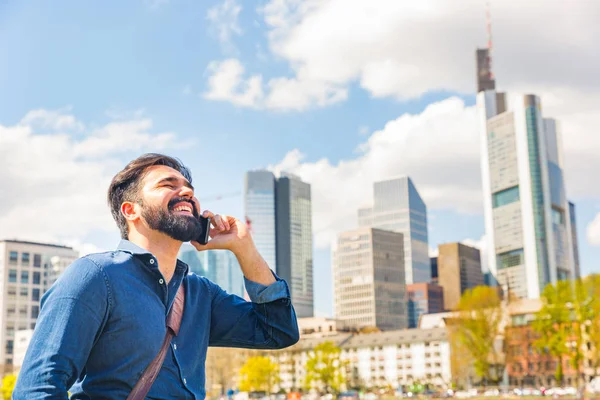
point(527, 215)
point(294, 241)
point(398, 207)
point(485, 80)
point(280, 215)
point(220, 266)
point(259, 206)
point(423, 298)
point(27, 270)
point(459, 269)
point(368, 277)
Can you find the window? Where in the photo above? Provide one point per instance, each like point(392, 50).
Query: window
point(24, 292)
point(35, 294)
point(24, 276)
point(12, 292)
point(505, 197)
point(23, 311)
point(510, 259)
point(12, 275)
point(14, 257)
point(37, 260)
point(36, 278)
point(35, 310)
point(25, 259)
point(9, 347)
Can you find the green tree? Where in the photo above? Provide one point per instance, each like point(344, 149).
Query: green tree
point(593, 324)
point(553, 323)
point(259, 374)
point(325, 367)
point(8, 385)
point(478, 325)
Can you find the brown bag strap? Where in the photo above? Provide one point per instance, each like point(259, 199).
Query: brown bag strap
point(173, 322)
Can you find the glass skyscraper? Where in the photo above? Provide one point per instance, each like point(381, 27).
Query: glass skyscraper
point(280, 216)
point(527, 214)
point(398, 207)
point(259, 205)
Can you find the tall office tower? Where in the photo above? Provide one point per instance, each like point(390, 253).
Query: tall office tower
point(398, 207)
point(574, 240)
point(527, 215)
point(220, 266)
point(294, 241)
point(27, 270)
point(259, 206)
point(280, 216)
point(423, 298)
point(485, 79)
point(368, 276)
point(459, 269)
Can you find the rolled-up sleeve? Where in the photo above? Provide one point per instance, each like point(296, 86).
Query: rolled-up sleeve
point(267, 321)
point(71, 318)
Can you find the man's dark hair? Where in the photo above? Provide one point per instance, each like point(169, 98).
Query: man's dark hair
point(125, 186)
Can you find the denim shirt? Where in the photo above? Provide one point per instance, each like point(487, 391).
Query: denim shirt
point(103, 322)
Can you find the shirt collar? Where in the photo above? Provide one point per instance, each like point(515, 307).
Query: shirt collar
point(132, 248)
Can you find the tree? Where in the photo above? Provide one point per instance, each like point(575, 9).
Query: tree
point(480, 315)
point(554, 323)
point(259, 374)
point(8, 385)
point(222, 366)
point(593, 324)
point(325, 367)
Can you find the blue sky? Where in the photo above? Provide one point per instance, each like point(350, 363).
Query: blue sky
point(147, 67)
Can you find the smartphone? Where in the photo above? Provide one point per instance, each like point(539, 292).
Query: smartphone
point(204, 237)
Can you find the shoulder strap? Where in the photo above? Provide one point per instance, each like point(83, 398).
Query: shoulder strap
point(173, 322)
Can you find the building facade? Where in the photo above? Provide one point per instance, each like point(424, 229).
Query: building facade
point(368, 276)
point(259, 206)
point(527, 215)
point(27, 270)
point(459, 269)
point(394, 359)
point(294, 241)
point(398, 207)
point(423, 298)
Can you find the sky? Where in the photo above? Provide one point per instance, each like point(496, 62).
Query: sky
point(342, 93)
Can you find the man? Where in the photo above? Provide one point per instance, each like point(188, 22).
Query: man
point(103, 321)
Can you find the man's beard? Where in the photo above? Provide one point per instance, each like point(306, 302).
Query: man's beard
point(180, 227)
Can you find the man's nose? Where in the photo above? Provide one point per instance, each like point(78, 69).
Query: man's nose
point(186, 192)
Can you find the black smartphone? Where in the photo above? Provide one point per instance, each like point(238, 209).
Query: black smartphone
point(203, 237)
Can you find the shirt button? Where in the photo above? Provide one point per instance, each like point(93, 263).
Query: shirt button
point(174, 346)
point(184, 381)
point(161, 281)
point(152, 261)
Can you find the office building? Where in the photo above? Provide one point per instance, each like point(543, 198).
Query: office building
point(485, 79)
point(368, 276)
point(459, 269)
point(423, 298)
point(398, 207)
point(280, 215)
point(394, 359)
point(527, 214)
point(574, 241)
point(259, 206)
point(219, 266)
point(434, 270)
point(27, 270)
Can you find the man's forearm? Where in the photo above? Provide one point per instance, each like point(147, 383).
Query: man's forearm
point(254, 267)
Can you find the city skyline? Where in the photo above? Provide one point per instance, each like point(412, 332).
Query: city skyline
point(89, 88)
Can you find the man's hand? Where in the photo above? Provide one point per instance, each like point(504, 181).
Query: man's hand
point(226, 233)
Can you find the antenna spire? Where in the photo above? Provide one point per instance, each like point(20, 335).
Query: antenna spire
point(488, 21)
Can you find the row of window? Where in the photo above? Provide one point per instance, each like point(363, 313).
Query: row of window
point(13, 259)
point(23, 293)
point(12, 311)
point(12, 277)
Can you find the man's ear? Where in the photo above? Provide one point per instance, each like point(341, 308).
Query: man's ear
point(130, 210)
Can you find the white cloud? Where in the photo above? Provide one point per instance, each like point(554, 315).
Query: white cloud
point(593, 231)
point(227, 83)
point(224, 21)
point(54, 182)
point(407, 48)
point(438, 149)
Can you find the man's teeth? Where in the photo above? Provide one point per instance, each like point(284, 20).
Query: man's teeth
point(183, 208)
